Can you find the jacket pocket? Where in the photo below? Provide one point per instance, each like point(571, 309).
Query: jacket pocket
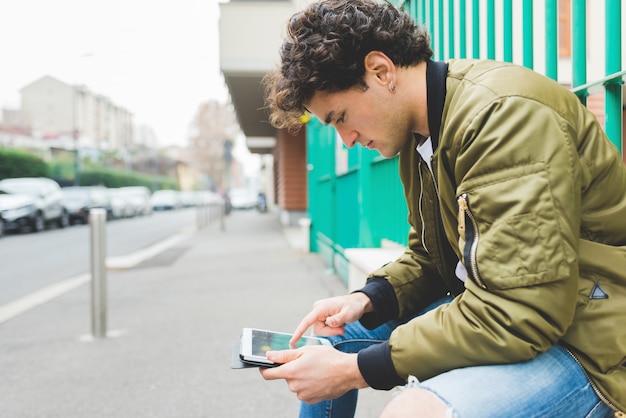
point(509, 232)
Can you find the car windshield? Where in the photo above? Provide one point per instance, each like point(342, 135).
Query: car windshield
point(76, 194)
point(132, 192)
point(20, 187)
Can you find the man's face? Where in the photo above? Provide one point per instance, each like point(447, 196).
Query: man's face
point(371, 117)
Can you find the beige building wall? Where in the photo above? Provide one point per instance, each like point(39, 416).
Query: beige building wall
point(47, 105)
point(54, 108)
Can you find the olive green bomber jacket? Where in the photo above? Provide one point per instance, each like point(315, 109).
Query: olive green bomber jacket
point(531, 197)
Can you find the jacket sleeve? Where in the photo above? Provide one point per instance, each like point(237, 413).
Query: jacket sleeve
point(516, 166)
point(414, 278)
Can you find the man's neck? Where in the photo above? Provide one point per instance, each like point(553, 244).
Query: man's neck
point(414, 78)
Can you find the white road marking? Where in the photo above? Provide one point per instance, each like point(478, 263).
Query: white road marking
point(46, 294)
point(28, 302)
point(131, 260)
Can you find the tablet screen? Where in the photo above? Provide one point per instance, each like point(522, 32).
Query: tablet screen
point(264, 341)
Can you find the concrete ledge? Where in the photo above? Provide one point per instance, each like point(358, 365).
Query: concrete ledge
point(365, 260)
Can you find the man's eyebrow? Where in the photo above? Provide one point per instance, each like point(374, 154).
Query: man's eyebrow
point(329, 117)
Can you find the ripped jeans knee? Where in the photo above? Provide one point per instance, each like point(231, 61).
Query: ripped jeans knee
point(415, 401)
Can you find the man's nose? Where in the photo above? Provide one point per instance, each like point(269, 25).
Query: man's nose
point(349, 137)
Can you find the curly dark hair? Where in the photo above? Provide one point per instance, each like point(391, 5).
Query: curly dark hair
point(325, 49)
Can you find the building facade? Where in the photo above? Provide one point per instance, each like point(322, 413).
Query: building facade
point(250, 35)
point(55, 109)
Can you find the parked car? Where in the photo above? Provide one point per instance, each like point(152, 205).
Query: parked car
point(189, 198)
point(80, 200)
point(32, 203)
point(166, 200)
point(207, 197)
point(20, 212)
point(242, 198)
point(139, 199)
point(121, 205)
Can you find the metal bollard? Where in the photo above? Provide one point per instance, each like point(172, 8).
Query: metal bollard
point(97, 223)
point(199, 216)
point(221, 215)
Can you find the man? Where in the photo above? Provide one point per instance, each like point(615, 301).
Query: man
point(509, 300)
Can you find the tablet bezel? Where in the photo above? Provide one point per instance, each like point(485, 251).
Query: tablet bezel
point(247, 356)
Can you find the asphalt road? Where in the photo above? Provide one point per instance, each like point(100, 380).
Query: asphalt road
point(31, 261)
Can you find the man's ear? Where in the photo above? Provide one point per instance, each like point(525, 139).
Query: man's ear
point(379, 65)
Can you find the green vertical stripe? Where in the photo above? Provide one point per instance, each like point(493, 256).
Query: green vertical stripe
point(451, 47)
point(440, 31)
point(491, 29)
point(614, 101)
point(552, 51)
point(476, 28)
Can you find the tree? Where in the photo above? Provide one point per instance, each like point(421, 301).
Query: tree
point(213, 129)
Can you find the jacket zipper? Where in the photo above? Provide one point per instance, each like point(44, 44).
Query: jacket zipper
point(599, 394)
point(434, 180)
point(464, 212)
point(419, 170)
point(439, 233)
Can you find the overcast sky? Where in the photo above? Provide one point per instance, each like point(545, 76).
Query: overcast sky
point(157, 59)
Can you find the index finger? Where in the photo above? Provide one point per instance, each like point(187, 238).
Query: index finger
point(310, 319)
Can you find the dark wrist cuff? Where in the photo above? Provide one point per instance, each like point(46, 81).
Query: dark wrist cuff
point(377, 368)
point(384, 302)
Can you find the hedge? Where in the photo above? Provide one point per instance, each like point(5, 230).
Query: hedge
point(90, 176)
point(15, 163)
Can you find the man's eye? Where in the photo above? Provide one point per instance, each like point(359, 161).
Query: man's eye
point(340, 119)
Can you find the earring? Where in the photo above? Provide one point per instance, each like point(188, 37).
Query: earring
point(392, 87)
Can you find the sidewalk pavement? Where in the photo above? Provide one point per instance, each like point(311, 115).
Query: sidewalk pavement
point(171, 322)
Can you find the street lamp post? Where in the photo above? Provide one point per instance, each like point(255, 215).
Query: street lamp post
point(76, 136)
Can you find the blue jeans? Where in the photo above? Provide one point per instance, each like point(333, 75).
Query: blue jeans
point(550, 385)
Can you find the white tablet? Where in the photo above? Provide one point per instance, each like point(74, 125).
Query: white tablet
point(256, 342)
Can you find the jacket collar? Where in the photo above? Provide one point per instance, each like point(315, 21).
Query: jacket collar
point(436, 74)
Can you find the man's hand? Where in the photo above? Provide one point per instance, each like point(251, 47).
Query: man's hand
point(329, 316)
point(315, 373)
